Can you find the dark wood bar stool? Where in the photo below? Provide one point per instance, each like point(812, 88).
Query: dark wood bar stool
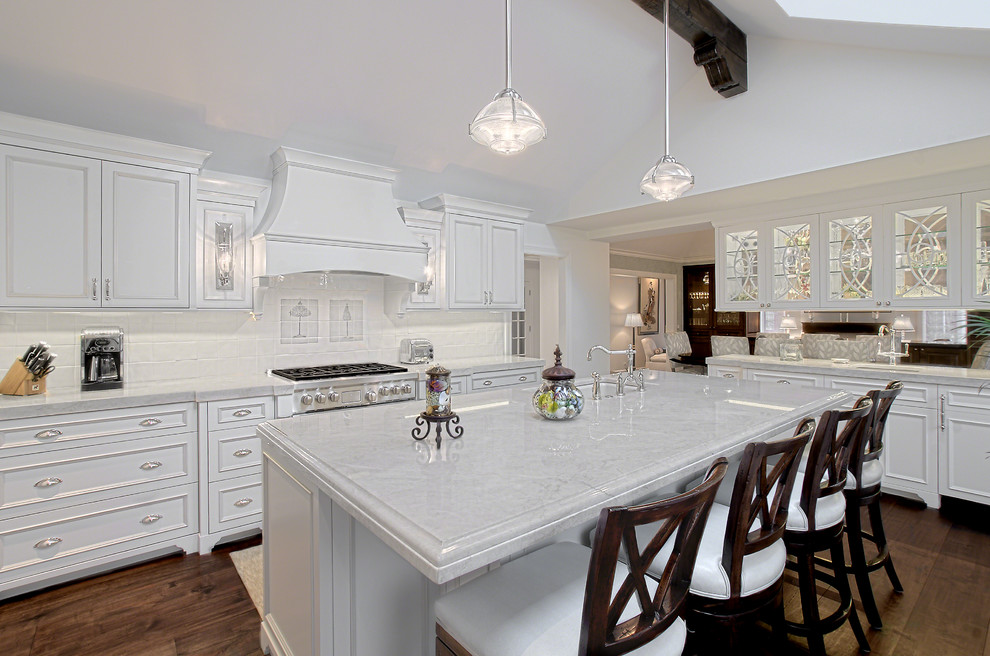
point(552, 601)
point(815, 524)
point(863, 489)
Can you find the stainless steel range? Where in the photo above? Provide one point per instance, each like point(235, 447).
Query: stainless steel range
point(347, 385)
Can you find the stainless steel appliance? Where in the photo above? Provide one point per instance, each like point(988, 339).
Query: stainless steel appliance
point(347, 385)
point(102, 358)
point(415, 351)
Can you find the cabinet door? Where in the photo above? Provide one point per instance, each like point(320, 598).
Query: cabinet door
point(738, 252)
point(910, 453)
point(467, 262)
point(222, 272)
point(849, 267)
point(145, 237)
point(430, 297)
point(964, 455)
point(793, 259)
point(975, 257)
point(506, 265)
point(50, 238)
point(922, 254)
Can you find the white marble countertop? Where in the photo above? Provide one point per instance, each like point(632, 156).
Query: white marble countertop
point(468, 366)
point(515, 479)
point(904, 372)
point(59, 401)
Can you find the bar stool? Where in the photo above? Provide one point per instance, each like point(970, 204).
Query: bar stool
point(551, 601)
point(863, 489)
point(815, 523)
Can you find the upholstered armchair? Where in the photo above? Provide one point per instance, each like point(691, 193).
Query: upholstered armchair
point(656, 359)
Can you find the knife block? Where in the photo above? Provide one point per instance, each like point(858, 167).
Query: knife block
point(21, 382)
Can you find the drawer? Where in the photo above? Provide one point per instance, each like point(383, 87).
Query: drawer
point(719, 371)
point(969, 398)
point(234, 452)
point(781, 378)
point(94, 427)
point(915, 394)
point(492, 379)
point(458, 385)
point(235, 502)
point(240, 412)
point(45, 541)
point(34, 482)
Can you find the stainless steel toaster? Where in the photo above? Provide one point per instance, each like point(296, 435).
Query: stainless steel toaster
point(415, 351)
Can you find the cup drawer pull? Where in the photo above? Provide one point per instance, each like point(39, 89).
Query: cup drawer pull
point(523, 379)
point(244, 412)
point(152, 464)
point(728, 375)
point(240, 453)
point(51, 432)
point(783, 382)
point(487, 383)
point(154, 421)
point(240, 503)
point(48, 482)
point(151, 519)
point(48, 542)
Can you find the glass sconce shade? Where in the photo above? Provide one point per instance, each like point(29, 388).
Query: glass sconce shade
point(224, 255)
point(507, 124)
point(667, 180)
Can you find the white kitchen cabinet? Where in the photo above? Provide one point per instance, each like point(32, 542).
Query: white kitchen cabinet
point(51, 241)
point(780, 378)
point(738, 269)
point(483, 380)
point(852, 276)
point(721, 371)
point(910, 452)
point(964, 445)
point(975, 257)
point(505, 282)
point(145, 237)
point(921, 253)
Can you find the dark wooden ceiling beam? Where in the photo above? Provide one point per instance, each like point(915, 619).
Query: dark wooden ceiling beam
point(719, 46)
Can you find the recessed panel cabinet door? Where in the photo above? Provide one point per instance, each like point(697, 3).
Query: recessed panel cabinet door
point(49, 229)
point(964, 466)
point(910, 450)
point(506, 285)
point(467, 262)
point(145, 237)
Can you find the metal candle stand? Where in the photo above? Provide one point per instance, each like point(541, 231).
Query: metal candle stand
point(425, 423)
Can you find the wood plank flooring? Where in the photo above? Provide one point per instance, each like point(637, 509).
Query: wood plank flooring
point(197, 605)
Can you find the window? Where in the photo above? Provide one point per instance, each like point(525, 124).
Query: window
point(518, 321)
point(942, 326)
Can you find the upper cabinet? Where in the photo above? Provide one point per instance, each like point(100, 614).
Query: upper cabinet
point(903, 255)
point(482, 253)
point(103, 223)
point(976, 248)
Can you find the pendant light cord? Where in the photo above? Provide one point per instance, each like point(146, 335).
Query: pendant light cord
point(508, 44)
point(666, 80)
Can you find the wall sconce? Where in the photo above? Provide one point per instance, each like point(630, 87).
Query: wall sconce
point(423, 288)
point(224, 237)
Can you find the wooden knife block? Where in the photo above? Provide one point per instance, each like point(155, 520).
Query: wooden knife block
point(21, 382)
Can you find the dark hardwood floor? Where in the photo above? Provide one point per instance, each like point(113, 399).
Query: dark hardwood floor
point(196, 605)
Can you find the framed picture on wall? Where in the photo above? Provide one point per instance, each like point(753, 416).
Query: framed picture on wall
point(649, 305)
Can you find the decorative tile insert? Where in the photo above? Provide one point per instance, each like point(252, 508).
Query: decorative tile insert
point(300, 321)
point(347, 321)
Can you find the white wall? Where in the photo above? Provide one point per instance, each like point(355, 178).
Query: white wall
point(623, 300)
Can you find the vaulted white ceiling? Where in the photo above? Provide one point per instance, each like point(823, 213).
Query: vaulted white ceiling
point(396, 83)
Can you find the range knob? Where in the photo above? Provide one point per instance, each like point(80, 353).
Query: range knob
point(306, 399)
point(407, 388)
point(384, 391)
point(372, 396)
point(321, 398)
point(395, 389)
point(333, 396)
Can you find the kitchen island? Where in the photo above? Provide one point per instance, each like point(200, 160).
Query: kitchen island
point(365, 528)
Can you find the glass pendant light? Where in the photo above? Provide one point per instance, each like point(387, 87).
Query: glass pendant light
point(507, 124)
point(668, 179)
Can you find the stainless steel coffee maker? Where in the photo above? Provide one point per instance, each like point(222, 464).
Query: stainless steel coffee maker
point(102, 358)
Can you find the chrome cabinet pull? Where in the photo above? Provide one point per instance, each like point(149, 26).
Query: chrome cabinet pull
point(107, 288)
point(242, 413)
point(240, 503)
point(523, 379)
point(783, 382)
point(942, 412)
point(48, 542)
point(151, 519)
point(96, 290)
point(151, 464)
point(728, 375)
point(48, 482)
point(240, 453)
point(51, 432)
point(154, 421)
point(487, 383)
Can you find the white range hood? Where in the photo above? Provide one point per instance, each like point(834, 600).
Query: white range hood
point(328, 214)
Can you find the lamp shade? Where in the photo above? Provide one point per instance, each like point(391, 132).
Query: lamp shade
point(903, 323)
point(507, 124)
point(788, 323)
point(634, 320)
point(667, 180)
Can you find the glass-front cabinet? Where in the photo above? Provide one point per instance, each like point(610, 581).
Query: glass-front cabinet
point(792, 260)
point(740, 269)
point(852, 274)
point(921, 256)
point(976, 248)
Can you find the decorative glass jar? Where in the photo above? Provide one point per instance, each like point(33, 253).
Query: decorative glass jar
point(558, 397)
point(437, 391)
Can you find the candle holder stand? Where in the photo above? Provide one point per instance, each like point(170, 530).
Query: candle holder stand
point(443, 423)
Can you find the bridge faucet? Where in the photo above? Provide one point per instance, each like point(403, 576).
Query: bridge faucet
point(629, 377)
point(629, 352)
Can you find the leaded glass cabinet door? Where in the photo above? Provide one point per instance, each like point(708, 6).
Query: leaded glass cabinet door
point(976, 249)
point(793, 260)
point(924, 236)
point(851, 247)
point(739, 265)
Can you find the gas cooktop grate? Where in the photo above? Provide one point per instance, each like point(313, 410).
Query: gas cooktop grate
point(337, 371)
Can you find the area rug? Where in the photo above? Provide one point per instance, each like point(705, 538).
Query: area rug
point(250, 566)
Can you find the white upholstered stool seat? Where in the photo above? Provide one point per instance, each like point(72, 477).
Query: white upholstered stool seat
point(532, 606)
point(829, 511)
point(872, 473)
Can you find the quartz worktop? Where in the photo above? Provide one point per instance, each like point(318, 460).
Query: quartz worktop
point(884, 372)
point(468, 366)
point(515, 479)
